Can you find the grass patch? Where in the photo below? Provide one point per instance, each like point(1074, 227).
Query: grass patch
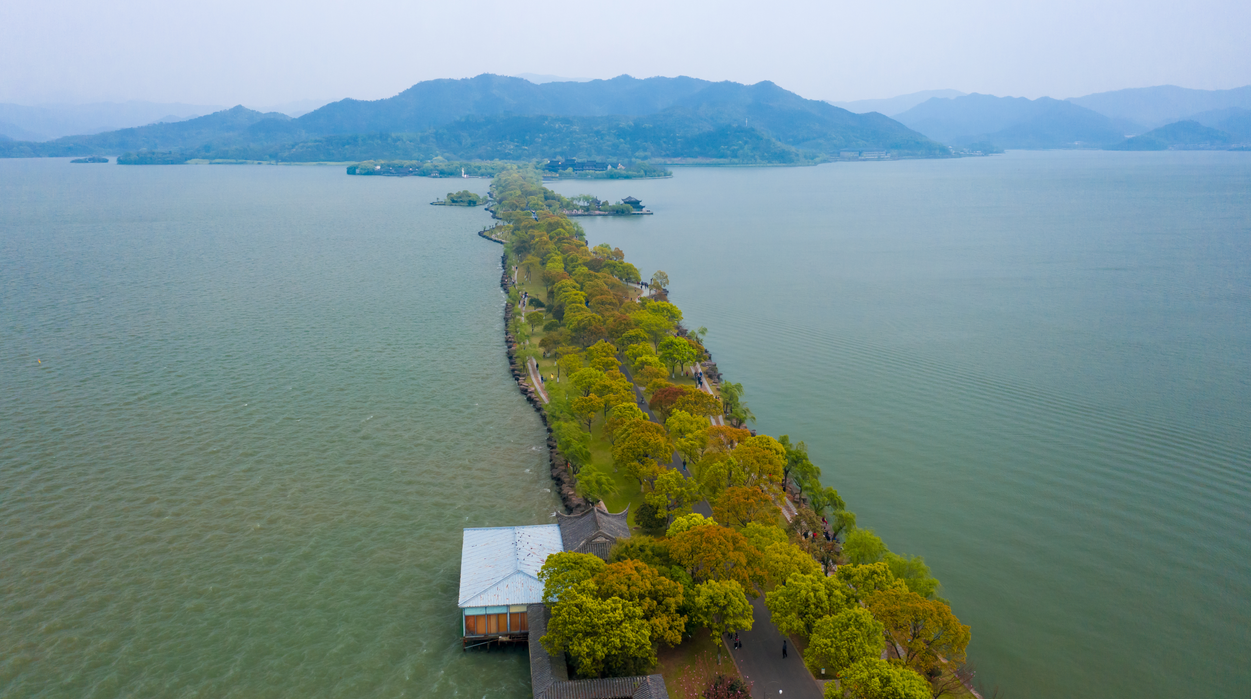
point(688, 668)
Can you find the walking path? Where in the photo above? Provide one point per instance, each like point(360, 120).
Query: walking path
point(536, 379)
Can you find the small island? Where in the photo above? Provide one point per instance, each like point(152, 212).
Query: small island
point(91, 159)
point(462, 198)
point(149, 157)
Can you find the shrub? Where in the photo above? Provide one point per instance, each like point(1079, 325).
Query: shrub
point(723, 687)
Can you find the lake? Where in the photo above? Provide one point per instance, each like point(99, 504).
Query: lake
point(1033, 370)
point(247, 410)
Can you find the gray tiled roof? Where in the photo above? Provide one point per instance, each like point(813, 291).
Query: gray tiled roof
point(549, 678)
point(593, 531)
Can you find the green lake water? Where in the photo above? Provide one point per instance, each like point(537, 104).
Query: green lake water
point(246, 411)
point(1034, 370)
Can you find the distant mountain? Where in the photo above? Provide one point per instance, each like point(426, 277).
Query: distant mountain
point(51, 121)
point(1010, 122)
point(896, 105)
point(539, 78)
point(1182, 135)
point(491, 116)
point(182, 135)
point(1234, 121)
point(1154, 106)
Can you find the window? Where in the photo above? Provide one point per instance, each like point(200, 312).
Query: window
point(518, 622)
point(475, 624)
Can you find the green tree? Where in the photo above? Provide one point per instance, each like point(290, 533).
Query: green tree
point(562, 571)
point(863, 546)
point(638, 443)
point(860, 581)
point(535, 319)
point(676, 352)
point(722, 606)
point(842, 640)
point(595, 485)
point(798, 605)
point(914, 573)
point(673, 493)
point(874, 678)
point(602, 635)
point(660, 281)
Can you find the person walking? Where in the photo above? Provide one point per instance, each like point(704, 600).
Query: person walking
point(783, 647)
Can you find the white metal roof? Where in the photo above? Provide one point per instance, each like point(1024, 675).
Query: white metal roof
point(500, 565)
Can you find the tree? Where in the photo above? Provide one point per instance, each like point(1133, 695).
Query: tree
point(595, 485)
point(655, 325)
point(929, 635)
point(844, 639)
point(636, 443)
point(914, 573)
point(651, 518)
point(602, 635)
point(782, 560)
point(824, 499)
point(860, 581)
point(874, 678)
point(663, 400)
point(673, 493)
point(585, 407)
point(562, 571)
point(688, 522)
point(760, 458)
point(660, 281)
point(689, 433)
point(717, 553)
point(658, 597)
point(568, 362)
point(798, 605)
point(619, 415)
point(535, 319)
point(697, 402)
point(676, 351)
point(761, 535)
point(736, 411)
point(585, 380)
point(738, 506)
point(722, 606)
point(863, 546)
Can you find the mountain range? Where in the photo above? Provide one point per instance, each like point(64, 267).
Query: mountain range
point(1121, 120)
point(493, 116)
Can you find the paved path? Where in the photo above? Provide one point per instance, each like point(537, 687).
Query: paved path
point(536, 380)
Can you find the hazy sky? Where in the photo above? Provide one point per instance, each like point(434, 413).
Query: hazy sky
point(264, 52)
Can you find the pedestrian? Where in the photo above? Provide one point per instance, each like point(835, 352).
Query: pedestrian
point(783, 647)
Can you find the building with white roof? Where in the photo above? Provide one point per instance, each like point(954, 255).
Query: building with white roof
point(499, 576)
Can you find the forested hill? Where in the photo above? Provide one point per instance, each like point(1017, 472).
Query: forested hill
point(491, 116)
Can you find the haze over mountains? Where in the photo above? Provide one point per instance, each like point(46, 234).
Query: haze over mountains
point(1103, 120)
point(492, 116)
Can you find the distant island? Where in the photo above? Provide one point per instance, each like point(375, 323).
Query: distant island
point(146, 157)
point(91, 159)
point(462, 198)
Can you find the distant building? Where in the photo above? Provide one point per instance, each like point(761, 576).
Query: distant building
point(576, 165)
point(634, 203)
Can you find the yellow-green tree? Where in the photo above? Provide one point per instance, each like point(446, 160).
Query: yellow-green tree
point(875, 678)
point(717, 553)
point(658, 597)
point(672, 493)
point(586, 407)
point(722, 606)
point(604, 636)
point(740, 505)
point(562, 571)
point(803, 600)
point(842, 640)
point(930, 636)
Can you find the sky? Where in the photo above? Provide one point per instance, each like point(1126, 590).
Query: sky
point(268, 52)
